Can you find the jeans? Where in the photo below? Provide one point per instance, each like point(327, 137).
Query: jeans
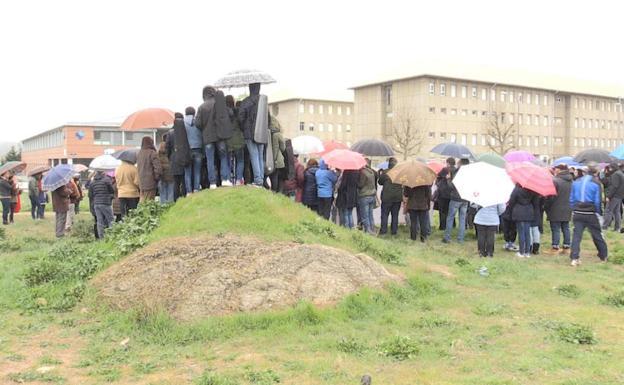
point(34, 207)
point(419, 223)
point(524, 233)
point(392, 209)
point(238, 163)
point(366, 206)
point(192, 172)
point(104, 215)
point(256, 155)
point(509, 231)
point(592, 223)
point(6, 209)
point(324, 208)
point(536, 236)
point(71, 213)
point(612, 213)
point(166, 192)
point(557, 228)
point(127, 204)
point(346, 218)
point(60, 220)
point(221, 148)
point(485, 239)
point(455, 206)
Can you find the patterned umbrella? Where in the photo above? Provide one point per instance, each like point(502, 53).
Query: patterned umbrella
point(493, 159)
point(104, 163)
point(519, 156)
point(483, 184)
point(532, 177)
point(58, 176)
point(593, 155)
point(344, 159)
point(13, 166)
point(243, 78)
point(372, 147)
point(148, 118)
point(412, 173)
point(453, 149)
point(38, 170)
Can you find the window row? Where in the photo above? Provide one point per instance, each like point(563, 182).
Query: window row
point(505, 96)
point(47, 140)
point(525, 119)
point(602, 143)
point(119, 138)
point(526, 140)
point(321, 108)
point(598, 105)
point(597, 123)
point(322, 126)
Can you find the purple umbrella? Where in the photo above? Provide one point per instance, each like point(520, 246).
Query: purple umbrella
point(519, 156)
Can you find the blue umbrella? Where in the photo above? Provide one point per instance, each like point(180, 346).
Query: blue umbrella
point(58, 176)
point(618, 152)
point(453, 149)
point(567, 160)
point(382, 165)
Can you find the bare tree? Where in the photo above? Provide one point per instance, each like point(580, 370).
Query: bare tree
point(407, 132)
point(500, 134)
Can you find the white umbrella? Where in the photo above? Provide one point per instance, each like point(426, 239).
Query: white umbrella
point(104, 163)
point(307, 144)
point(483, 184)
point(243, 78)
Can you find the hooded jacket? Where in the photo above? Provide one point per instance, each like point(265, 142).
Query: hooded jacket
point(127, 177)
point(193, 133)
point(236, 142)
point(367, 183)
point(310, 193)
point(101, 190)
point(392, 192)
point(558, 206)
point(212, 117)
point(178, 149)
point(325, 181)
point(489, 215)
point(523, 204)
point(585, 197)
point(60, 199)
point(5, 188)
point(248, 111)
point(148, 165)
point(295, 184)
point(277, 141)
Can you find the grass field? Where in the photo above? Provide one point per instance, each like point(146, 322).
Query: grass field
point(536, 321)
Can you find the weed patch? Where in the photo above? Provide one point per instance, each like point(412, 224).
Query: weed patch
point(570, 291)
point(386, 253)
point(616, 299)
point(572, 332)
point(266, 377)
point(351, 346)
point(212, 378)
point(399, 348)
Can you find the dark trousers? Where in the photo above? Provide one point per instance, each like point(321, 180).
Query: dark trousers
point(12, 211)
point(324, 207)
point(392, 209)
point(419, 223)
point(557, 228)
point(6, 209)
point(34, 207)
point(591, 223)
point(443, 206)
point(509, 230)
point(179, 187)
point(485, 239)
point(524, 233)
point(128, 204)
point(314, 208)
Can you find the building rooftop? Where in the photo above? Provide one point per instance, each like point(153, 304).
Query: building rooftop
point(287, 99)
point(77, 124)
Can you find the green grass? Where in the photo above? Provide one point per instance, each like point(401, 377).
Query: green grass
point(530, 321)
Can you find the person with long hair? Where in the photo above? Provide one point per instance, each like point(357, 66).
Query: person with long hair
point(150, 169)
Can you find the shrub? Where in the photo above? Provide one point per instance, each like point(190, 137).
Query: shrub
point(82, 230)
point(130, 234)
point(399, 348)
point(461, 262)
point(316, 227)
point(616, 299)
point(617, 257)
point(351, 346)
point(572, 332)
point(570, 291)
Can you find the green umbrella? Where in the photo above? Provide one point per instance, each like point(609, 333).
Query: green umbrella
point(493, 159)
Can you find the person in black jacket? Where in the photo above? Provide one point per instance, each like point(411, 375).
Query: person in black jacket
point(558, 208)
point(442, 196)
point(101, 193)
point(179, 154)
point(615, 194)
point(523, 204)
point(347, 197)
point(391, 198)
point(310, 193)
point(456, 205)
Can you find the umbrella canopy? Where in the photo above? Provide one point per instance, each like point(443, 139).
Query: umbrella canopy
point(13, 166)
point(372, 147)
point(436, 166)
point(307, 144)
point(58, 176)
point(330, 145)
point(148, 118)
point(493, 159)
point(483, 183)
point(453, 149)
point(618, 152)
point(412, 173)
point(38, 170)
point(383, 165)
point(345, 159)
point(532, 177)
point(519, 156)
point(80, 167)
point(129, 155)
point(593, 155)
point(567, 160)
point(243, 78)
point(104, 163)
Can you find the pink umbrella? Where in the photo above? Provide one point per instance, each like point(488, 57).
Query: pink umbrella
point(519, 156)
point(532, 177)
point(436, 166)
point(344, 159)
point(331, 145)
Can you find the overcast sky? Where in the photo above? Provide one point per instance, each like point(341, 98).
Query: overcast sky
point(68, 61)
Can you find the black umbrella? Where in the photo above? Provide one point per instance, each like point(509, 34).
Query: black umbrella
point(128, 155)
point(594, 155)
point(372, 147)
point(454, 150)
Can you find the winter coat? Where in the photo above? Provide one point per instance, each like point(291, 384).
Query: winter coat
point(248, 112)
point(236, 142)
point(296, 183)
point(127, 179)
point(367, 183)
point(442, 186)
point(60, 199)
point(586, 196)
point(616, 185)
point(524, 204)
point(489, 215)
point(277, 141)
point(178, 149)
point(165, 164)
point(150, 169)
point(558, 206)
point(392, 192)
point(325, 181)
point(6, 188)
point(347, 189)
point(193, 134)
point(454, 194)
point(75, 192)
point(101, 190)
point(33, 188)
point(310, 193)
point(213, 119)
point(418, 198)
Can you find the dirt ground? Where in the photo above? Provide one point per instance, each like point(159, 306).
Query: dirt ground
point(198, 277)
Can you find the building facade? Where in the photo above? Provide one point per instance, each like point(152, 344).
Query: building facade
point(548, 123)
point(80, 143)
point(325, 119)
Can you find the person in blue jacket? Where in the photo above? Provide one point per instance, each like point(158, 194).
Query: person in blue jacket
point(325, 181)
point(586, 203)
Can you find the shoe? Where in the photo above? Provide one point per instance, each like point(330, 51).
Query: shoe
point(566, 247)
point(212, 186)
point(240, 182)
point(444, 240)
point(519, 255)
point(226, 183)
point(575, 262)
point(535, 248)
point(514, 247)
point(507, 247)
point(528, 255)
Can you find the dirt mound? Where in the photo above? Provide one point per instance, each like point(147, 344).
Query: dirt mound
point(199, 277)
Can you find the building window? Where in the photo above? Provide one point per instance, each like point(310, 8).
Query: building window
point(483, 140)
point(536, 141)
point(590, 104)
point(558, 121)
point(301, 108)
point(330, 127)
point(503, 95)
point(502, 117)
point(576, 122)
point(492, 94)
point(595, 142)
point(583, 123)
point(545, 121)
point(432, 110)
point(519, 119)
point(602, 105)
point(484, 113)
point(464, 139)
point(520, 141)
point(431, 134)
point(583, 103)
point(545, 140)
point(528, 98)
point(519, 97)
point(453, 138)
point(443, 110)
point(527, 119)
point(575, 142)
point(602, 124)
point(474, 92)
point(582, 142)
point(536, 98)
point(609, 107)
point(311, 108)
point(330, 109)
point(453, 111)
point(104, 138)
point(473, 140)
point(464, 91)
point(348, 128)
point(602, 143)
point(443, 135)
point(275, 109)
point(483, 94)
point(464, 112)
point(442, 89)
point(321, 127)
point(511, 96)
point(431, 88)
point(339, 127)
point(558, 99)
point(320, 109)
point(475, 112)
point(453, 90)
point(576, 103)
point(511, 118)
point(545, 100)
point(339, 109)
point(311, 127)
point(609, 125)
point(387, 96)
point(348, 111)
point(536, 120)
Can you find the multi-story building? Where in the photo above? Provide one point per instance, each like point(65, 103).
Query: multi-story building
point(546, 122)
point(325, 119)
point(79, 143)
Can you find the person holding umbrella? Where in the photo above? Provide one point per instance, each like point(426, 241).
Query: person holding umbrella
point(418, 202)
point(6, 187)
point(523, 204)
point(325, 181)
point(33, 195)
point(347, 197)
point(391, 199)
point(253, 117)
point(60, 205)
point(456, 205)
point(558, 208)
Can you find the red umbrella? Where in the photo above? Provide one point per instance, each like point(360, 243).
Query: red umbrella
point(344, 159)
point(148, 118)
point(331, 145)
point(436, 166)
point(532, 177)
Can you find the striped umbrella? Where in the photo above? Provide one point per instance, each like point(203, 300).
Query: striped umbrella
point(532, 177)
